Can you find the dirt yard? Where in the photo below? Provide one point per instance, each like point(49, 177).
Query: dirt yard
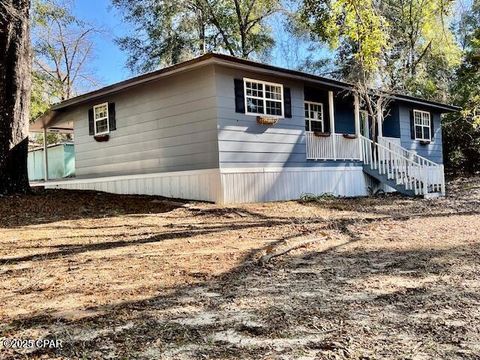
point(141, 277)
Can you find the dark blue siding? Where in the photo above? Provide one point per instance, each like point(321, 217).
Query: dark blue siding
point(344, 115)
point(432, 151)
point(391, 124)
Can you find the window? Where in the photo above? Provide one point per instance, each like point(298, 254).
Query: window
point(422, 125)
point(100, 116)
point(263, 98)
point(314, 116)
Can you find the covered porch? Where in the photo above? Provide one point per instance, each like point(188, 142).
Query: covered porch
point(334, 123)
point(50, 122)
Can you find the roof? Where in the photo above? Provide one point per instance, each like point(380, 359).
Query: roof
point(227, 60)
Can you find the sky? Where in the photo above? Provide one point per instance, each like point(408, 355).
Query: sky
point(109, 61)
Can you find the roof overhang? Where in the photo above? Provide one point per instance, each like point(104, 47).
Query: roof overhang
point(49, 119)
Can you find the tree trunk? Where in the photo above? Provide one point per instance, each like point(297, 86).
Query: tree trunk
point(15, 83)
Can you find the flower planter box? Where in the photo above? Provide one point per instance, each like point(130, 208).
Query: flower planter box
point(349, 136)
point(321, 134)
point(101, 138)
point(265, 120)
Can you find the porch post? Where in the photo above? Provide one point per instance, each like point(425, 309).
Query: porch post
point(45, 157)
point(357, 125)
point(379, 119)
point(331, 112)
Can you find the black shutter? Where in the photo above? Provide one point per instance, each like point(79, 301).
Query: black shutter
point(91, 124)
point(287, 103)
point(112, 121)
point(432, 128)
point(412, 125)
point(239, 96)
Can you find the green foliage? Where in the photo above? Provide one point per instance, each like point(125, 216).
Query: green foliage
point(424, 52)
point(404, 45)
point(462, 130)
point(349, 23)
point(170, 31)
point(61, 47)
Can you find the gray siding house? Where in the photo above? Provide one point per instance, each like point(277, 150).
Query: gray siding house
point(228, 130)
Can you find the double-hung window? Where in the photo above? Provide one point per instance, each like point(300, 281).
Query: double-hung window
point(100, 115)
point(422, 125)
point(263, 98)
point(314, 116)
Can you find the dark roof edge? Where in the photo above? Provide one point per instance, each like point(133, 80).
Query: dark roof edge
point(152, 76)
point(141, 79)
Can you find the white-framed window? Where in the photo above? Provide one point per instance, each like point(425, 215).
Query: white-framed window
point(421, 121)
point(314, 116)
point(100, 118)
point(263, 98)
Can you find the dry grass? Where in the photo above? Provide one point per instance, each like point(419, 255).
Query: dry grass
point(142, 277)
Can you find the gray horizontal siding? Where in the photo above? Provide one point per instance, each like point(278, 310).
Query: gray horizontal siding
point(432, 151)
point(243, 143)
point(168, 125)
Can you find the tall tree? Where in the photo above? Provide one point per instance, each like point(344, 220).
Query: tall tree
point(462, 130)
point(410, 41)
point(62, 49)
point(170, 31)
point(423, 52)
point(15, 83)
point(62, 53)
point(358, 32)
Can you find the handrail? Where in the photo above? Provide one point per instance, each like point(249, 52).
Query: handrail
point(410, 152)
point(415, 173)
point(389, 150)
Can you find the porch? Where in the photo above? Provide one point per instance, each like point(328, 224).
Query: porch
point(384, 158)
point(335, 134)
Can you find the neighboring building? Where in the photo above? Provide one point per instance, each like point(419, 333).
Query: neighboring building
point(61, 162)
point(228, 130)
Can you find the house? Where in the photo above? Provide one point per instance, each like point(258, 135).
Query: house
point(61, 161)
point(229, 130)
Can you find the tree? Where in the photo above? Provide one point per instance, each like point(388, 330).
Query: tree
point(169, 31)
point(359, 33)
point(423, 53)
point(462, 130)
point(62, 50)
point(15, 82)
point(407, 45)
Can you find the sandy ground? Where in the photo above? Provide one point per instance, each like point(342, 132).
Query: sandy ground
point(142, 277)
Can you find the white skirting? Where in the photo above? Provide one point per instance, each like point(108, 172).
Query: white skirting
point(258, 185)
point(231, 186)
point(193, 185)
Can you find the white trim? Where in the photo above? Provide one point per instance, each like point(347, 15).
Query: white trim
point(263, 98)
point(193, 185)
point(356, 101)
point(290, 169)
point(45, 155)
point(422, 113)
point(331, 112)
point(321, 121)
point(101, 119)
point(280, 184)
point(131, 177)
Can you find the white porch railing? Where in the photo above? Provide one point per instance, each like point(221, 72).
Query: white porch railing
point(333, 147)
point(403, 166)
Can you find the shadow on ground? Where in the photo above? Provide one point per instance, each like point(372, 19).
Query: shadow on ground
point(344, 296)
